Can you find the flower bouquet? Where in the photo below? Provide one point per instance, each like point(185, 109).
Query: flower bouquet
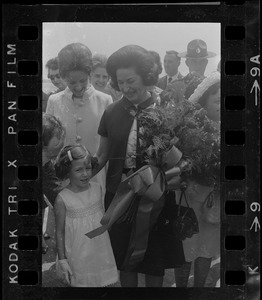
point(197, 137)
point(173, 140)
point(155, 134)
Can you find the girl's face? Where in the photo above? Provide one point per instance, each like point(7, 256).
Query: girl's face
point(80, 174)
point(77, 82)
point(99, 78)
point(213, 106)
point(131, 85)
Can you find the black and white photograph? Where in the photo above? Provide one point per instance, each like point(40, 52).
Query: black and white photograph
point(131, 149)
point(131, 154)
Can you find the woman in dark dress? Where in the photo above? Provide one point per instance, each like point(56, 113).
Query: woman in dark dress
point(132, 71)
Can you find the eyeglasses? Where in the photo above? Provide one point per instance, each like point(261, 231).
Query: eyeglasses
point(52, 77)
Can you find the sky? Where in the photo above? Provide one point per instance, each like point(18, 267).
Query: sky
point(106, 38)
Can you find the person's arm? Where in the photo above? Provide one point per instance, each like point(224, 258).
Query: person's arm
point(50, 105)
point(60, 213)
point(44, 101)
point(102, 154)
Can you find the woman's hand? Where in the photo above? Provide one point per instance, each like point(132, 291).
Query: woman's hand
point(102, 154)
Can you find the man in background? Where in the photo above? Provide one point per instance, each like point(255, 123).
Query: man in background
point(197, 56)
point(171, 64)
point(57, 81)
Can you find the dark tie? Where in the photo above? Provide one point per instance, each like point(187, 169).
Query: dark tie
point(169, 79)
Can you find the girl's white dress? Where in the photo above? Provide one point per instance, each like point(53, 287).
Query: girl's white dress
point(91, 260)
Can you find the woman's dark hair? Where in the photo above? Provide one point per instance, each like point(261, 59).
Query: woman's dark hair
point(212, 90)
point(51, 126)
point(132, 56)
point(74, 57)
point(66, 156)
point(157, 61)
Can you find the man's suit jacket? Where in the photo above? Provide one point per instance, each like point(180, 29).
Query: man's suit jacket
point(162, 82)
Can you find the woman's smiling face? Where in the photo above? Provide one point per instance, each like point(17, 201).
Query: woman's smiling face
point(131, 85)
point(99, 78)
point(77, 82)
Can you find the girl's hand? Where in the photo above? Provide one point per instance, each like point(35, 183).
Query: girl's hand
point(66, 270)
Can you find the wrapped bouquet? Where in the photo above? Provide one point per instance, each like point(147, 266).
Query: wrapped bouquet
point(174, 141)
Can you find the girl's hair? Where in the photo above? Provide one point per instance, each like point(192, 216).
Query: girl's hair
point(99, 61)
point(67, 155)
point(74, 57)
point(212, 90)
point(132, 56)
point(51, 126)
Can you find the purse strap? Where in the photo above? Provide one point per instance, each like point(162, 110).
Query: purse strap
point(183, 188)
point(210, 196)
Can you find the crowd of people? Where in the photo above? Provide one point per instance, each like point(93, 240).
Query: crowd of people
point(92, 147)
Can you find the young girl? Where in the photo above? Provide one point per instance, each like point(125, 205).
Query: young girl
point(82, 261)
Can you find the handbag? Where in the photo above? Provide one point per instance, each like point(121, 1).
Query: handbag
point(186, 223)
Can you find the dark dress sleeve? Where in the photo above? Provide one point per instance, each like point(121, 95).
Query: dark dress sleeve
point(102, 129)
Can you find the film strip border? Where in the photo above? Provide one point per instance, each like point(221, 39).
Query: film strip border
point(22, 81)
point(240, 132)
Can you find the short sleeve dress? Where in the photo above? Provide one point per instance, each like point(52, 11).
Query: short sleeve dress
point(91, 260)
point(164, 250)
